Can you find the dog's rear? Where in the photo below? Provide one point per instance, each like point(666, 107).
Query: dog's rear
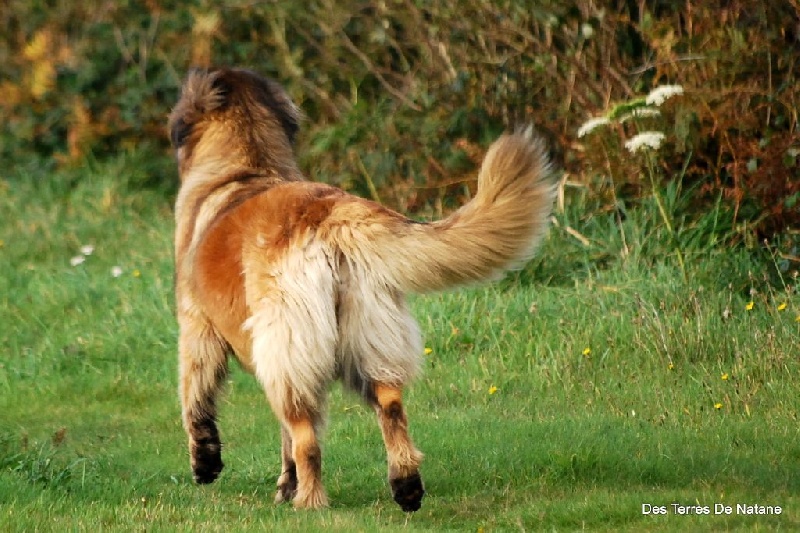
point(304, 283)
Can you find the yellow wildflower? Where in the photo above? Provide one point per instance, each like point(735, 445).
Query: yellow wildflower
point(587, 351)
point(136, 273)
point(717, 405)
point(492, 389)
point(724, 376)
point(750, 305)
point(782, 306)
point(428, 351)
point(670, 367)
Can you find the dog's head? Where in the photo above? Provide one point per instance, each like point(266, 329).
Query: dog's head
point(233, 113)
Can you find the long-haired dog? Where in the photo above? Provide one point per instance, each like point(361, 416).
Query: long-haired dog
point(303, 283)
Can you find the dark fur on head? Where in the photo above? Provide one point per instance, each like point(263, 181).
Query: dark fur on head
point(257, 105)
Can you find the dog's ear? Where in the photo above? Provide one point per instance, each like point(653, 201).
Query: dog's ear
point(287, 112)
point(275, 98)
point(204, 91)
point(219, 91)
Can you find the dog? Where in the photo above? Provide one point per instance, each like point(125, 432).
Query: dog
point(304, 284)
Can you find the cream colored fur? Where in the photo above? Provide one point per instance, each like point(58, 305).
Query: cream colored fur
point(293, 326)
point(299, 343)
point(380, 341)
point(497, 231)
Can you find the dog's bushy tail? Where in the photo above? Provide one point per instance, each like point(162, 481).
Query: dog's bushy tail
point(498, 230)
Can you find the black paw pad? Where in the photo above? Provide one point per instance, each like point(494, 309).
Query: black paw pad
point(408, 492)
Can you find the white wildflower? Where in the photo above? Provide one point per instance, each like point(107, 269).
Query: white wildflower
point(587, 30)
point(640, 112)
point(116, 271)
point(87, 249)
point(592, 124)
point(77, 260)
point(647, 139)
point(661, 93)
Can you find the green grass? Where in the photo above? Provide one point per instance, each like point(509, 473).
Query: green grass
point(90, 436)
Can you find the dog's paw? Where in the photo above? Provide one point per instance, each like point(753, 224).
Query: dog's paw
point(207, 467)
point(408, 492)
point(315, 498)
point(287, 487)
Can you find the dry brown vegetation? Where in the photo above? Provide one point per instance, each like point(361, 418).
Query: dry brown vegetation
point(402, 97)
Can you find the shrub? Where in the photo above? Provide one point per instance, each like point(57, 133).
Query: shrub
point(403, 97)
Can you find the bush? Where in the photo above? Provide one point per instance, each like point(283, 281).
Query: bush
point(403, 97)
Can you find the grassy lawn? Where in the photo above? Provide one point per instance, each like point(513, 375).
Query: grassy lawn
point(563, 398)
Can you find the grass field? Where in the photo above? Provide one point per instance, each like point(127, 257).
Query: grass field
point(563, 398)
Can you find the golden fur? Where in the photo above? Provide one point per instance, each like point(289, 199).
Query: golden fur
point(304, 284)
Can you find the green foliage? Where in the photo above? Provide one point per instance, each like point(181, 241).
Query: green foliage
point(38, 465)
point(403, 97)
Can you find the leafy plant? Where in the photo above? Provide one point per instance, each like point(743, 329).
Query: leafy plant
point(403, 97)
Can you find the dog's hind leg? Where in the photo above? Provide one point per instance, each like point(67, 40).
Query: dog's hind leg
point(307, 457)
point(403, 457)
point(295, 373)
point(301, 413)
point(381, 350)
point(293, 327)
point(287, 482)
point(203, 366)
